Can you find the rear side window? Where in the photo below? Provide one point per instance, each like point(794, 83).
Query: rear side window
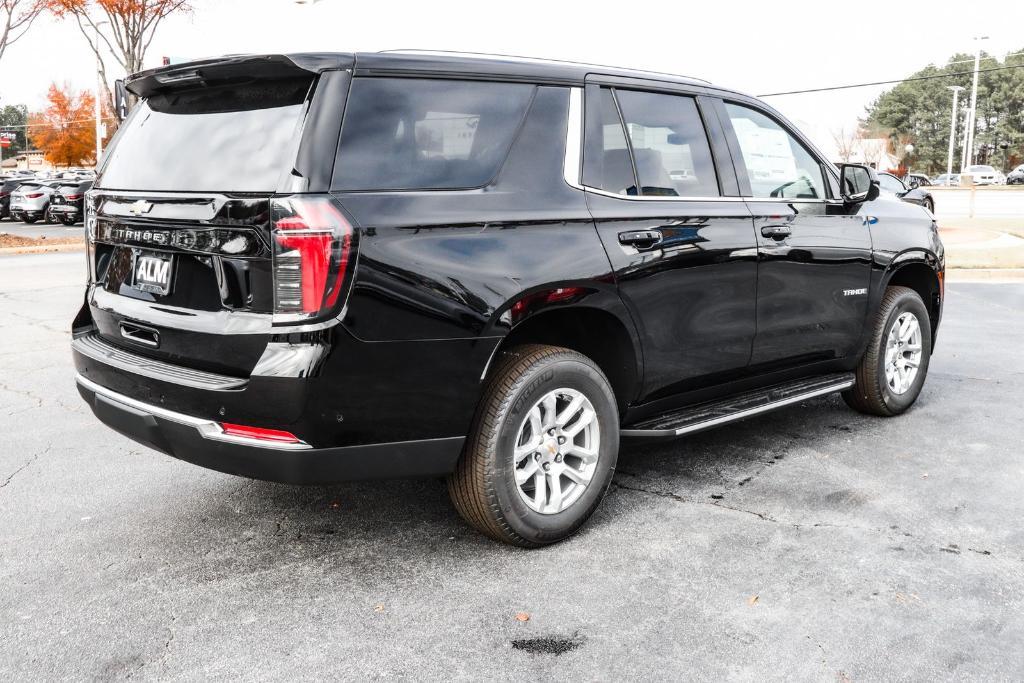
point(235, 138)
point(607, 164)
point(407, 134)
point(668, 146)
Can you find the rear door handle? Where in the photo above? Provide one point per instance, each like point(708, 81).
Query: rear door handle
point(776, 232)
point(641, 239)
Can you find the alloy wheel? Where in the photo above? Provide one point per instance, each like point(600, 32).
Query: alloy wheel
point(556, 451)
point(903, 353)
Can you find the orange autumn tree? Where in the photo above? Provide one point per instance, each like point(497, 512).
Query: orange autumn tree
point(122, 28)
point(65, 131)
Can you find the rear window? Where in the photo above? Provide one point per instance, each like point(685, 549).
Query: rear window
point(404, 134)
point(236, 138)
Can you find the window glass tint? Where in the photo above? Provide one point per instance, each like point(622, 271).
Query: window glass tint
point(233, 138)
point(607, 165)
point(404, 133)
point(777, 165)
point(670, 146)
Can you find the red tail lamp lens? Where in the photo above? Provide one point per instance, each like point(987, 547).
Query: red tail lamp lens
point(34, 195)
point(312, 254)
point(275, 435)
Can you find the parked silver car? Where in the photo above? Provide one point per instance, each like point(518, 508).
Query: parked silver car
point(31, 201)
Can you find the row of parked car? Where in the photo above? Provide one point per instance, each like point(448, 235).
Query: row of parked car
point(50, 198)
point(980, 175)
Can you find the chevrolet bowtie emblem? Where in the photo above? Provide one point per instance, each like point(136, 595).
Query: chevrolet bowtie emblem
point(140, 207)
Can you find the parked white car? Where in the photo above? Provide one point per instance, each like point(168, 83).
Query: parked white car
point(984, 175)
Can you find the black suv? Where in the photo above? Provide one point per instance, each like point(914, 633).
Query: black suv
point(7, 187)
point(318, 267)
point(68, 201)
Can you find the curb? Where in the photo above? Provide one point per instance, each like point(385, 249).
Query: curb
point(42, 249)
point(985, 275)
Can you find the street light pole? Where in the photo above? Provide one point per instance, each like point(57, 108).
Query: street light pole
point(99, 94)
point(974, 104)
point(952, 133)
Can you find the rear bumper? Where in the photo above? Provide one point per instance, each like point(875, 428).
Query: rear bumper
point(202, 442)
point(65, 209)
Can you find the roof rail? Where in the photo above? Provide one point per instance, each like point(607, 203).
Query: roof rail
point(539, 60)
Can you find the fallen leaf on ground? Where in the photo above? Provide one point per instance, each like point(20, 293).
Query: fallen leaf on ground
point(378, 608)
point(522, 616)
point(753, 600)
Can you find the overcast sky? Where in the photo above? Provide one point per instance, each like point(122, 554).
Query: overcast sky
point(754, 46)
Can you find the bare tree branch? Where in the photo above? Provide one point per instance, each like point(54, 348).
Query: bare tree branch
point(17, 17)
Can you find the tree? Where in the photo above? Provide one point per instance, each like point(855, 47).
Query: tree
point(65, 131)
point(919, 112)
point(13, 118)
point(17, 17)
point(847, 144)
point(125, 28)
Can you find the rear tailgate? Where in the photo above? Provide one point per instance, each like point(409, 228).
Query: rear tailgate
point(180, 218)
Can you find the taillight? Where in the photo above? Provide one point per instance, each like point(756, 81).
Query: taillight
point(72, 197)
point(34, 195)
point(312, 256)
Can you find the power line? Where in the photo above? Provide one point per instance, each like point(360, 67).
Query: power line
point(898, 80)
point(996, 57)
point(5, 126)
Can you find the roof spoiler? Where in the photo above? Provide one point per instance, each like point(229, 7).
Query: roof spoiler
point(234, 68)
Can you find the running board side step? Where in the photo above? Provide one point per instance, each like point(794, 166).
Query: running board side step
point(703, 416)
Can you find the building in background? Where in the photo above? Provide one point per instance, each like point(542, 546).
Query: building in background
point(29, 160)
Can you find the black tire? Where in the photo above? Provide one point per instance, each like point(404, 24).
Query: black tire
point(66, 220)
point(871, 394)
point(29, 220)
point(483, 487)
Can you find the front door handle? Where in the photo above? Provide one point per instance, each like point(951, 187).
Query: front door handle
point(776, 232)
point(641, 239)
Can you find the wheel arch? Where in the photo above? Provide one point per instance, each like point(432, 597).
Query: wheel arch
point(919, 270)
point(597, 333)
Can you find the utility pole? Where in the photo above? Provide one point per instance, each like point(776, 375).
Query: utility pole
point(974, 104)
point(99, 95)
point(952, 133)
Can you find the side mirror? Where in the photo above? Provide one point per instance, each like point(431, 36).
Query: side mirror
point(913, 184)
point(859, 183)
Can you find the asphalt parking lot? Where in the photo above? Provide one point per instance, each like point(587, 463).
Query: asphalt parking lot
point(809, 544)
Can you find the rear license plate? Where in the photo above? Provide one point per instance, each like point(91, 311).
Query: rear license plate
point(152, 273)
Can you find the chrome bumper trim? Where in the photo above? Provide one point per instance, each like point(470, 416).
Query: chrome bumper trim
point(208, 429)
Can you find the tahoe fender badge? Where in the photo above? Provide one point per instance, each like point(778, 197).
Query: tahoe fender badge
point(855, 292)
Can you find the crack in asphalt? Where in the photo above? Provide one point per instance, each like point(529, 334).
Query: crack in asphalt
point(951, 548)
point(28, 462)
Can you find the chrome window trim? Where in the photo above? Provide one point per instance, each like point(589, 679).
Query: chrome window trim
point(208, 429)
point(572, 166)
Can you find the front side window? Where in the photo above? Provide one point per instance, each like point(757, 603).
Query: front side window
point(670, 147)
point(406, 133)
point(778, 166)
